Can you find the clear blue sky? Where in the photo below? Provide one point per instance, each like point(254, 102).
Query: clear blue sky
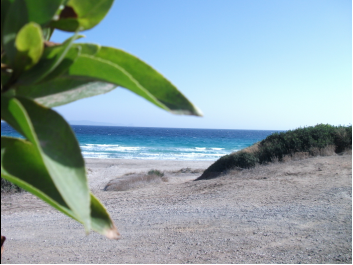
point(247, 64)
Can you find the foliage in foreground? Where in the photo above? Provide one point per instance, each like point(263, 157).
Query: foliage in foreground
point(37, 74)
point(278, 145)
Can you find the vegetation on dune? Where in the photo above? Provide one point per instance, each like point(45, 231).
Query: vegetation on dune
point(276, 146)
point(155, 172)
point(235, 160)
point(136, 180)
point(307, 139)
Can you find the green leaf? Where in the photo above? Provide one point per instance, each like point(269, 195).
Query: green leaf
point(21, 12)
point(14, 114)
point(66, 89)
point(5, 77)
point(51, 60)
point(63, 90)
point(16, 18)
point(109, 67)
point(42, 11)
point(47, 32)
point(88, 48)
point(122, 69)
point(5, 5)
point(58, 148)
point(64, 64)
point(22, 165)
point(29, 45)
point(82, 15)
point(101, 221)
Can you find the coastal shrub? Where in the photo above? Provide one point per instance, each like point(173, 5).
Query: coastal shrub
point(342, 138)
point(306, 139)
point(235, 160)
point(322, 139)
point(155, 172)
point(37, 75)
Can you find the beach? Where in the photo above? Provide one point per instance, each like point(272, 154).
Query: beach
point(293, 212)
point(101, 171)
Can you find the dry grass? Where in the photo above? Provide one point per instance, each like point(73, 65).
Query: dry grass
point(136, 180)
point(252, 149)
point(188, 170)
point(327, 151)
point(152, 177)
point(314, 151)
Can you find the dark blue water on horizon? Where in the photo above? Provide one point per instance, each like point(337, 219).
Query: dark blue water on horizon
point(158, 143)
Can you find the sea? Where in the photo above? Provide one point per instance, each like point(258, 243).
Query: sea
point(158, 143)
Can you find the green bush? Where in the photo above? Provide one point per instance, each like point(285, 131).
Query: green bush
point(278, 145)
point(343, 138)
point(155, 172)
point(227, 162)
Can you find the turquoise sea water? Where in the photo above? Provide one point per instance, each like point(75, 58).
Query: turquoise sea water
point(158, 143)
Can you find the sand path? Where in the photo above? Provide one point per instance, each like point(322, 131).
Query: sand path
point(297, 212)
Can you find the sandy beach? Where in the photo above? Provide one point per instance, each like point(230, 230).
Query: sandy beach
point(294, 212)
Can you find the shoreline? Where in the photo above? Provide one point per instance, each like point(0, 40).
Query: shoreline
point(93, 159)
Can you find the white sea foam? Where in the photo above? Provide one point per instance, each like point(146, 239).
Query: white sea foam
point(109, 147)
point(198, 149)
point(95, 155)
point(197, 155)
point(159, 153)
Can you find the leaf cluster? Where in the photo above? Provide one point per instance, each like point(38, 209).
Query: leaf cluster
point(37, 74)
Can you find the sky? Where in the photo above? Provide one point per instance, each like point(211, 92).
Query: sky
point(247, 64)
